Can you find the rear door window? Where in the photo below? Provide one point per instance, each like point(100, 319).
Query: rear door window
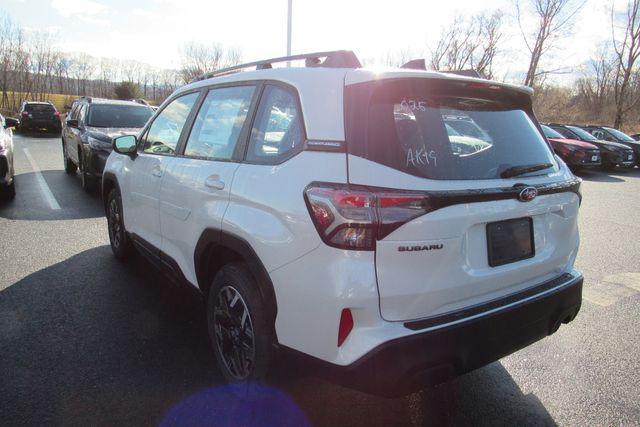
point(219, 122)
point(277, 131)
point(445, 130)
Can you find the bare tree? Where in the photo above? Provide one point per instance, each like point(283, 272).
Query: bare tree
point(595, 87)
point(469, 43)
point(627, 51)
point(554, 19)
point(197, 59)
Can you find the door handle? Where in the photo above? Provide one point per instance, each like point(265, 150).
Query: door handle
point(157, 172)
point(214, 182)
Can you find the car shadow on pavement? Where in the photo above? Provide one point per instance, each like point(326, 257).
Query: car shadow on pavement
point(93, 341)
point(37, 134)
point(31, 204)
point(616, 175)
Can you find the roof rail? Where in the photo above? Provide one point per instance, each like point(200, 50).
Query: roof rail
point(333, 59)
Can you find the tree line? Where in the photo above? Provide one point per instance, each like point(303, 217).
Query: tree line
point(32, 68)
point(607, 89)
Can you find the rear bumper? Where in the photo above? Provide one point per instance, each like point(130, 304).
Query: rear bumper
point(26, 123)
point(413, 362)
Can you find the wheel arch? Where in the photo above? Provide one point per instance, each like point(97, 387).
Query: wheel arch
point(109, 182)
point(215, 248)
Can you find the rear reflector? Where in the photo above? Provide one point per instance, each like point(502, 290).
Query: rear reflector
point(346, 325)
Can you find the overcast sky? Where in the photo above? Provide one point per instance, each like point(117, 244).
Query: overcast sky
point(152, 31)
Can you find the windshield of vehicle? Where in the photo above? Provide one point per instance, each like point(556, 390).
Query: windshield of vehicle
point(583, 134)
point(40, 108)
point(550, 133)
point(619, 135)
point(118, 116)
point(444, 131)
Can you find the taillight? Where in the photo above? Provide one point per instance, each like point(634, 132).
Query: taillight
point(354, 218)
point(57, 114)
point(25, 114)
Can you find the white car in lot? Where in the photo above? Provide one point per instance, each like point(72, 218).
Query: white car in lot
point(393, 228)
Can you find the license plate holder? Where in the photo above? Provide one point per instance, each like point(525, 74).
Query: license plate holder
point(510, 241)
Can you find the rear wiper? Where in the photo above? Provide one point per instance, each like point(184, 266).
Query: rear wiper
point(521, 170)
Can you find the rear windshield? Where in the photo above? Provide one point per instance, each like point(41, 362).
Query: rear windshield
point(40, 108)
point(550, 133)
point(583, 134)
point(445, 130)
point(620, 135)
point(118, 116)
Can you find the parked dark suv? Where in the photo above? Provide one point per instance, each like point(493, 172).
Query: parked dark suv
point(89, 129)
point(614, 135)
point(39, 116)
point(613, 154)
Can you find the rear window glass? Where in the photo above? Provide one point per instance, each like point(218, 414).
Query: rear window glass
point(118, 116)
point(40, 108)
point(620, 135)
point(446, 131)
point(550, 133)
point(582, 134)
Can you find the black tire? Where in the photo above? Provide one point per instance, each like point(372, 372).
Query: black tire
point(237, 362)
point(118, 238)
point(69, 166)
point(8, 192)
point(87, 182)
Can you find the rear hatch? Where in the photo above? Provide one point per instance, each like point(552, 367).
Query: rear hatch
point(451, 164)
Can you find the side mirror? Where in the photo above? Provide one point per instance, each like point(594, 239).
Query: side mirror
point(126, 144)
point(72, 123)
point(10, 122)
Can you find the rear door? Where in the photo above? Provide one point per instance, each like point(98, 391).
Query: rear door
point(456, 155)
point(195, 189)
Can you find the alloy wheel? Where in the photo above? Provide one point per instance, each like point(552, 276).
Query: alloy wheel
point(234, 333)
point(115, 225)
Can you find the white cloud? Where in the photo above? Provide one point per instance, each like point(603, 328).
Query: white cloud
point(87, 10)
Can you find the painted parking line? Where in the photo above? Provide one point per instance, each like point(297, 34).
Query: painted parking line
point(44, 188)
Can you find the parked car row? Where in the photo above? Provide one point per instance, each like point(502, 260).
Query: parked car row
point(592, 146)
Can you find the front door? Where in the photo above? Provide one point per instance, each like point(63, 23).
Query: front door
point(156, 151)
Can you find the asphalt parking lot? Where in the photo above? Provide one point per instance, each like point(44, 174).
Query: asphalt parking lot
point(86, 340)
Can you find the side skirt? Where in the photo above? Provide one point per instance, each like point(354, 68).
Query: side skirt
point(161, 261)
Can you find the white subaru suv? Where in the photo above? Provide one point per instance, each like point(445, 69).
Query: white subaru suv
point(392, 227)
